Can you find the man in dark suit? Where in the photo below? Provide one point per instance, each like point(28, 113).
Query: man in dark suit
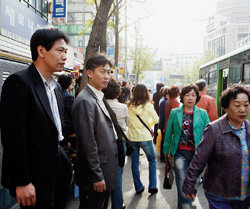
point(97, 136)
point(36, 168)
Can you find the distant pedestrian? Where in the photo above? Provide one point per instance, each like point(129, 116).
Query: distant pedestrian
point(141, 107)
point(173, 93)
point(183, 135)
point(66, 83)
point(224, 152)
point(98, 137)
point(36, 167)
point(156, 99)
point(124, 95)
point(206, 102)
point(162, 118)
point(111, 93)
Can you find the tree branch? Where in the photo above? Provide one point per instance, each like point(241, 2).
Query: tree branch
point(96, 5)
point(116, 6)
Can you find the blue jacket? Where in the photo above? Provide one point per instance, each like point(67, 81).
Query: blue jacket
point(174, 128)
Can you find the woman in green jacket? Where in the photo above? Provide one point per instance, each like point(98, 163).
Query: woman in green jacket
point(183, 135)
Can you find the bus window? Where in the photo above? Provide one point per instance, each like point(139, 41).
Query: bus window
point(224, 79)
point(212, 84)
point(235, 69)
point(213, 77)
point(246, 75)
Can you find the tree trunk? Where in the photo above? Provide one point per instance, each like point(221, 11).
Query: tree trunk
point(98, 28)
point(103, 45)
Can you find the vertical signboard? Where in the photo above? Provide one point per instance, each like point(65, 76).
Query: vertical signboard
point(59, 12)
point(18, 22)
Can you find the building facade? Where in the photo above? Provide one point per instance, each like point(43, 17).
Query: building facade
point(228, 28)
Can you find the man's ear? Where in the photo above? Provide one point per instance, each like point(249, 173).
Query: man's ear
point(41, 51)
point(89, 73)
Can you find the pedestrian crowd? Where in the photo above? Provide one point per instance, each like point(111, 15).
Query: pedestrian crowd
point(49, 137)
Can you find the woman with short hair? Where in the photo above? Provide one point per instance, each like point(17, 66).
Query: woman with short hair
point(183, 134)
point(111, 93)
point(224, 151)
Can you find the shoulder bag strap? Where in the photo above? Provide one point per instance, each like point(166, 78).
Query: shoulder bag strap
point(143, 123)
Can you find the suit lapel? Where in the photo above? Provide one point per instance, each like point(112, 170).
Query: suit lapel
point(180, 116)
point(105, 112)
point(97, 101)
point(196, 117)
point(41, 92)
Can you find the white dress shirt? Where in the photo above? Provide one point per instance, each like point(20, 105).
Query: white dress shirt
point(53, 103)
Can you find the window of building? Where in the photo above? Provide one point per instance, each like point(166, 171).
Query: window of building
point(246, 73)
point(38, 6)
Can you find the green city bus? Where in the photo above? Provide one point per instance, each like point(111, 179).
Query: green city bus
point(225, 71)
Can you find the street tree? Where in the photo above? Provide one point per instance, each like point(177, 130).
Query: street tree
point(142, 55)
point(98, 29)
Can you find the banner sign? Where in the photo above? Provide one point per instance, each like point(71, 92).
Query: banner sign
point(18, 22)
point(71, 29)
point(59, 8)
point(59, 11)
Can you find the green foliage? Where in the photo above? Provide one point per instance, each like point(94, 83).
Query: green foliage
point(142, 55)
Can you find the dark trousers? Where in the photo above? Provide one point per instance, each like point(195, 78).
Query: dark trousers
point(162, 155)
point(218, 203)
point(90, 199)
point(60, 195)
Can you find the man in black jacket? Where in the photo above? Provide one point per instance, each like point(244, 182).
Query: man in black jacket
point(156, 98)
point(36, 168)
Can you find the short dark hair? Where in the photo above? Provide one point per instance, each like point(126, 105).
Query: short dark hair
point(165, 91)
point(187, 89)
point(112, 90)
point(45, 37)
point(173, 92)
point(96, 61)
point(161, 90)
point(231, 93)
point(158, 86)
point(124, 83)
point(64, 81)
point(201, 84)
point(125, 91)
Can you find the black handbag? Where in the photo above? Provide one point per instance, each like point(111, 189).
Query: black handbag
point(169, 175)
point(130, 148)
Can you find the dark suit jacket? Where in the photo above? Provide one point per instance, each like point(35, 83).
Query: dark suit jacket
point(29, 134)
point(97, 155)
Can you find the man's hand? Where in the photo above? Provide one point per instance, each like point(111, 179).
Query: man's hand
point(99, 186)
point(26, 195)
point(190, 197)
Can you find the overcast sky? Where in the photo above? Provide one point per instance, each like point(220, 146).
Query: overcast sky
point(172, 26)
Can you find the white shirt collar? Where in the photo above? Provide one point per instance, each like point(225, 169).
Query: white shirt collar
point(98, 93)
point(53, 82)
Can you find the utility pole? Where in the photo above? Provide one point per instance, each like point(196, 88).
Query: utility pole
point(126, 43)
